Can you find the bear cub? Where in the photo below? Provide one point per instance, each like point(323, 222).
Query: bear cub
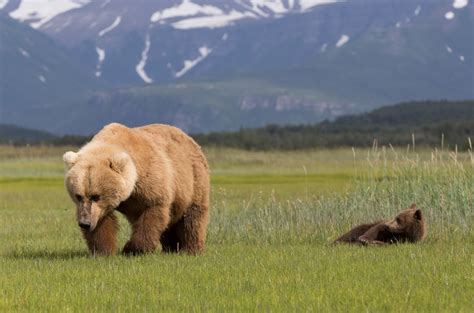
point(408, 226)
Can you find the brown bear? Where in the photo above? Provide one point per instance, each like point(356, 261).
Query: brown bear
point(408, 226)
point(155, 175)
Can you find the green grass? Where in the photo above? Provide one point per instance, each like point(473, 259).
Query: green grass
point(274, 215)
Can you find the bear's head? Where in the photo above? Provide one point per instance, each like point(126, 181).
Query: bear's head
point(410, 223)
point(98, 179)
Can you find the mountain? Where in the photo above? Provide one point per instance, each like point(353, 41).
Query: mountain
point(207, 65)
point(171, 40)
point(152, 41)
point(36, 75)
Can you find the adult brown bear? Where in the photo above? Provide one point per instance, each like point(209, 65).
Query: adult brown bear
point(155, 175)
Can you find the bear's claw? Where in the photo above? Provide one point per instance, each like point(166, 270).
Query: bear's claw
point(131, 249)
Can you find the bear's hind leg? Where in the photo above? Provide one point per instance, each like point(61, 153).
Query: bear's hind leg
point(169, 239)
point(103, 239)
point(192, 229)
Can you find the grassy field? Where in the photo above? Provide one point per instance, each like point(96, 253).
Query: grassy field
point(274, 215)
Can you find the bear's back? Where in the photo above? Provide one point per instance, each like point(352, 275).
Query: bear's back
point(174, 141)
point(146, 141)
point(166, 133)
point(163, 137)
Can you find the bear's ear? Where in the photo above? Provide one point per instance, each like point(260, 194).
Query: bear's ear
point(413, 206)
point(119, 161)
point(418, 215)
point(70, 158)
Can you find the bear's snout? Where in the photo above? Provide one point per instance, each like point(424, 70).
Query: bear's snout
point(85, 225)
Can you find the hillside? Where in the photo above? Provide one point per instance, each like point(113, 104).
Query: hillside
point(204, 106)
point(19, 135)
point(430, 122)
point(37, 77)
point(15, 135)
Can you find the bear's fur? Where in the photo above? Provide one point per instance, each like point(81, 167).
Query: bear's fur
point(155, 175)
point(408, 226)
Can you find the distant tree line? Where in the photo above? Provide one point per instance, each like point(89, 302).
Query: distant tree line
point(429, 122)
point(274, 137)
point(67, 140)
point(19, 136)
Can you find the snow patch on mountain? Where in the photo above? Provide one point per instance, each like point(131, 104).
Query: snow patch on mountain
point(186, 14)
point(42, 79)
point(449, 15)
point(109, 28)
point(449, 49)
point(417, 10)
point(3, 3)
point(459, 4)
point(190, 15)
point(461, 58)
point(275, 6)
point(101, 58)
point(140, 68)
point(204, 51)
point(216, 21)
point(24, 52)
point(342, 41)
point(305, 5)
point(42, 11)
point(186, 8)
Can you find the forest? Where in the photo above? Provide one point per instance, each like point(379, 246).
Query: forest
point(427, 123)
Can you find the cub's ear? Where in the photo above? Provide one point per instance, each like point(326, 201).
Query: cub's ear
point(418, 215)
point(413, 206)
point(119, 161)
point(70, 158)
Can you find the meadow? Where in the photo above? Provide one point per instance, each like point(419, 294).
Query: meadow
point(274, 216)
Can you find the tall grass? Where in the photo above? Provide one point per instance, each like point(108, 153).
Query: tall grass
point(442, 185)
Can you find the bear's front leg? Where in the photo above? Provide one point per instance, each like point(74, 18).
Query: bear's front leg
point(373, 235)
point(103, 239)
point(147, 230)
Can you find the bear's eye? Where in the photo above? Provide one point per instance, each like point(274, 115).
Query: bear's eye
point(78, 197)
point(95, 198)
point(399, 220)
